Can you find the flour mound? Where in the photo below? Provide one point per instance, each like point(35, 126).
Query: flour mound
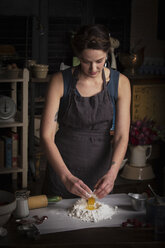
point(102, 211)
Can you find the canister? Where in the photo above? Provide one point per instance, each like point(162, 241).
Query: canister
point(22, 209)
point(155, 215)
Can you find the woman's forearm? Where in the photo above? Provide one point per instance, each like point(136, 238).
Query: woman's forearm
point(119, 149)
point(121, 136)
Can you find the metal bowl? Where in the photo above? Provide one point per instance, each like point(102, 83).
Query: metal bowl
point(131, 62)
point(138, 201)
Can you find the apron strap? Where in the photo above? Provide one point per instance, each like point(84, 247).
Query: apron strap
point(75, 76)
point(104, 79)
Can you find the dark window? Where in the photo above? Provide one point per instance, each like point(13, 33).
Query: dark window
point(59, 40)
point(16, 31)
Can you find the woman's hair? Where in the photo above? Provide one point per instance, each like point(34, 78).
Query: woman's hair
point(91, 37)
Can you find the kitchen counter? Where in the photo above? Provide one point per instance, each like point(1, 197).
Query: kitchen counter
point(60, 231)
point(92, 237)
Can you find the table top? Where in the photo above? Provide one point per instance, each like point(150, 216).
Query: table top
point(59, 221)
point(97, 236)
point(92, 237)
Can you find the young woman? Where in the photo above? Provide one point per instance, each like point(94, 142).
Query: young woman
point(81, 99)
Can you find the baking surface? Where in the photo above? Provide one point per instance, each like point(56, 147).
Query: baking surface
point(58, 219)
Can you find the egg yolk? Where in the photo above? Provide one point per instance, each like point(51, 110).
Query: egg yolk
point(91, 203)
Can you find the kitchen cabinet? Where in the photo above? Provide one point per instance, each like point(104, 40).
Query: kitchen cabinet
point(148, 98)
point(19, 123)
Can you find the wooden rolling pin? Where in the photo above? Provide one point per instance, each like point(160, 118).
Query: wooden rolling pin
point(41, 201)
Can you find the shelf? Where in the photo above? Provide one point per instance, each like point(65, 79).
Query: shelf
point(37, 116)
point(11, 170)
point(39, 99)
point(40, 80)
point(21, 122)
point(11, 124)
point(3, 80)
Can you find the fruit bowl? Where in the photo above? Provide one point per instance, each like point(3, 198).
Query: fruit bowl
point(7, 206)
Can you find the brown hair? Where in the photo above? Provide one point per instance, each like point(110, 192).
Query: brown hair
point(91, 37)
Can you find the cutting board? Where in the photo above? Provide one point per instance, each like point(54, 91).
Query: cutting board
point(58, 219)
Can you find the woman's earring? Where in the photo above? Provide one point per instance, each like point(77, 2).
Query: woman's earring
point(106, 62)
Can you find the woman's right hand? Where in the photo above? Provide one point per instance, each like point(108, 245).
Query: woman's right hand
point(77, 187)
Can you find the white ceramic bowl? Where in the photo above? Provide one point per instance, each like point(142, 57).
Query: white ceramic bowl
point(40, 71)
point(7, 206)
point(40, 66)
point(40, 74)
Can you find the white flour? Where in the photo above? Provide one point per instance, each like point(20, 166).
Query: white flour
point(102, 211)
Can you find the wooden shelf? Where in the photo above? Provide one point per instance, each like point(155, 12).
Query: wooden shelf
point(11, 124)
point(39, 99)
point(11, 170)
point(23, 124)
point(40, 80)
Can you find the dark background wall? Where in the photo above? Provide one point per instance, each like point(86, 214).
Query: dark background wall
point(41, 29)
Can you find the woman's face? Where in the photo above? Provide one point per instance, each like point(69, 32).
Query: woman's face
point(92, 61)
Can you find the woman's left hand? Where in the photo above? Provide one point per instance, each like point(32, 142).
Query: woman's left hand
point(104, 186)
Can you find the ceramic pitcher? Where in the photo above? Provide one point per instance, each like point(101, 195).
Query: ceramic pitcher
point(139, 155)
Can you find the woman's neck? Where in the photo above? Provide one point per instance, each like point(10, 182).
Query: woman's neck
point(88, 86)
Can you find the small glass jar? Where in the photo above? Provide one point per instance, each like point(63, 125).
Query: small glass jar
point(22, 209)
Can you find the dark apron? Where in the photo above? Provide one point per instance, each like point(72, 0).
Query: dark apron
point(83, 140)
